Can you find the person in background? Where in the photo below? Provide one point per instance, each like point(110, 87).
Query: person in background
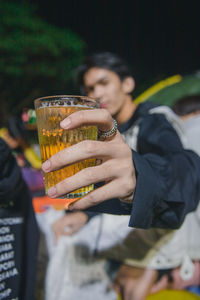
point(18, 231)
point(150, 176)
point(187, 107)
point(102, 67)
point(18, 138)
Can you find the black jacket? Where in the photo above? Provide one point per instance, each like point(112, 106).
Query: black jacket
point(18, 232)
point(168, 176)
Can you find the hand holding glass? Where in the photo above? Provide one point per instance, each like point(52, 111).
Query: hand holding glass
point(50, 111)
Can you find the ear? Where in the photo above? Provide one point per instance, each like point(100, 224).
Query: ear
point(128, 85)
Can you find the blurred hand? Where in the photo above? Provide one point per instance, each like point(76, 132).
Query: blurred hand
point(174, 281)
point(69, 224)
point(116, 169)
point(134, 283)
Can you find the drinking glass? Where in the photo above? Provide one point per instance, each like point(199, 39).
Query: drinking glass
point(50, 111)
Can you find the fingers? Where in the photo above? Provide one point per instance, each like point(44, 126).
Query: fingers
point(160, 285)
point(117, 170)
point(81, 151)
point(85, 177)
point(108, 191)
point(133, 289)
point(62, 227)
point(116, 186)
point(62, 231)
point(69, 224)
point(134, 283)
point(94, 197)
point(127, 290)
point(118, 173)
point(99, 117)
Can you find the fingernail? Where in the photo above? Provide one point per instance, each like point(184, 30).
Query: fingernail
point(65, 123)
point(46, 166)
point(52, 192)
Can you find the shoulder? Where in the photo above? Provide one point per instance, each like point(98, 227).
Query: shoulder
point(151, 114)
point(160, 114)
point(154, 122)
point(144, 108)
point(156, 130)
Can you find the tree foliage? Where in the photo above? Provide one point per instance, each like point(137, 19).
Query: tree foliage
point(36, 58)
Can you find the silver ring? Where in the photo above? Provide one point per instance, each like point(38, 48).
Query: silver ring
point(109, 133)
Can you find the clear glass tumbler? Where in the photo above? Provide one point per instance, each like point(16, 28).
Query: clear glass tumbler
point(50, 111)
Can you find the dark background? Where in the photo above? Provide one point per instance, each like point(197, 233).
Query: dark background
point(158, 38)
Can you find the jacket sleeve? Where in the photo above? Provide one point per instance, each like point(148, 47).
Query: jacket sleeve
point(168, 177)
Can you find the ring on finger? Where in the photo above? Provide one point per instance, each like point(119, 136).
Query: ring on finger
point(103, 135)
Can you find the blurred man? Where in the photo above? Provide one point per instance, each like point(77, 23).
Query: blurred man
point(105, 76)
point(151, 174)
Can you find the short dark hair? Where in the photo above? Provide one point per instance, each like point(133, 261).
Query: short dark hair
point(104, 60)
point(187, 105)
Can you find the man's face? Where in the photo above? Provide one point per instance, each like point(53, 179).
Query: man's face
point(107, 87)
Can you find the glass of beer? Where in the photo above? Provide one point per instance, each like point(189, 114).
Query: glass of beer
point(50, 111)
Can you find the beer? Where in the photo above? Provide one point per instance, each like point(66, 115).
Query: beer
point(52, 139)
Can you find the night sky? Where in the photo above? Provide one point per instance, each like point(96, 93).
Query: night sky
point(158, 38)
